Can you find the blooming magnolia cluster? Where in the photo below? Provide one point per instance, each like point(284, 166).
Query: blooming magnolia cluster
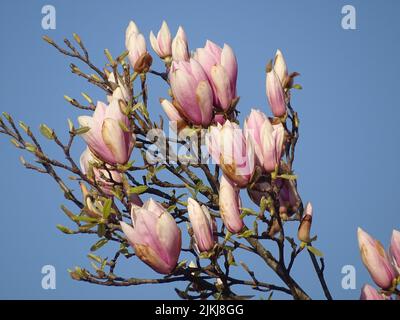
point(384, 267)
point(129, 160)
point(203, 86)
point(204, 95)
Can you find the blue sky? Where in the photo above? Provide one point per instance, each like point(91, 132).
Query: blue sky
point(347, 157)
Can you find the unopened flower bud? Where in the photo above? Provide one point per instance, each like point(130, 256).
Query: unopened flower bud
point(203, 225)
point(229, 205)
point(180, 50)
point(280, 66)
point(162, 44)
point(376, 260)
point(275, 94)
point(303, 233)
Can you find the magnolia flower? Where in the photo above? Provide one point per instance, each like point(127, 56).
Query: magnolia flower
point(375, 260)
point(132, 28)
point(233, 151)
point(162, 44)
point(303, 233)
point(192, 92)
point(272, 137)
point(229, 205)
point(221, 67)
point(280, 67)
point(253, 126)
point(369, 293)
point(268, 139)
point(154, 236)
point(110, 137)
point(203, 225)
point(180, 48)
point(277, 79)
point(394, 250)
point(135, 43)
point(275, 94)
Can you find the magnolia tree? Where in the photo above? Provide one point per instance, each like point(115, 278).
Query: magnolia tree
point(189, 181)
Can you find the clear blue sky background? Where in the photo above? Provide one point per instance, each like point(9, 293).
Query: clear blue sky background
point(347, 158)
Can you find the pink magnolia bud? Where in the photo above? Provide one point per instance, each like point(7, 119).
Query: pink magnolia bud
point(134, 43)
point(234, 152)
point(154, 236)
point(303, 234)
point(107, 137)
point(192, 92)
point(221, 68)
point(180, 48)
point(229, 205)
point(162, 44)
point(275, 94)
point(375, 260)
point(394, 250)
point(369, 293)
point(267, 138)
point(132, 28)
point(202, 224)
point(280, 67)
point(272, 137)
point(252, 126)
